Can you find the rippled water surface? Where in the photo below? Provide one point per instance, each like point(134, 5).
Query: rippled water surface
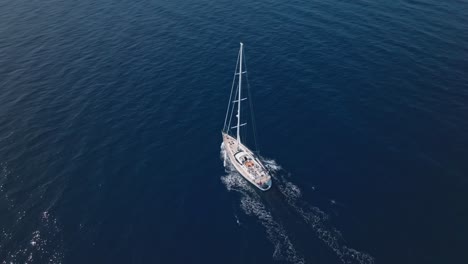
point(110, 119)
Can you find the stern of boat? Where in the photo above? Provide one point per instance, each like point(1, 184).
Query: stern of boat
point(266, 186)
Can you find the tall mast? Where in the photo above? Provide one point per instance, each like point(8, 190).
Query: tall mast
point(239, 98)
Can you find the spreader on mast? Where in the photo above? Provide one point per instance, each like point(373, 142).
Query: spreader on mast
point(239, 98)
point(247, 163)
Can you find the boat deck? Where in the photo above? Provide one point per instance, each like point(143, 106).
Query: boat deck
point(246, 162)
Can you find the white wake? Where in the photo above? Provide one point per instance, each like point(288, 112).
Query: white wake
point(251, 203)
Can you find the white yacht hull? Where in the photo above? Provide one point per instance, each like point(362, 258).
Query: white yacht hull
point(247, 163)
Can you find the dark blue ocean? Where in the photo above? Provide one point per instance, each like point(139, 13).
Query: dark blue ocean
point(111, 113)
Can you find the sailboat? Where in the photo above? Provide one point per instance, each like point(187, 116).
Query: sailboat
point(244, 160)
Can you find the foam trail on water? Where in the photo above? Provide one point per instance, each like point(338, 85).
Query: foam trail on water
point(251, 204)
point(271, 164)
point(317, 220)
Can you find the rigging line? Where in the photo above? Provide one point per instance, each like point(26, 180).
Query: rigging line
point(232, 111)
point(254, 128)
point(230, 95)
point(230, 105)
